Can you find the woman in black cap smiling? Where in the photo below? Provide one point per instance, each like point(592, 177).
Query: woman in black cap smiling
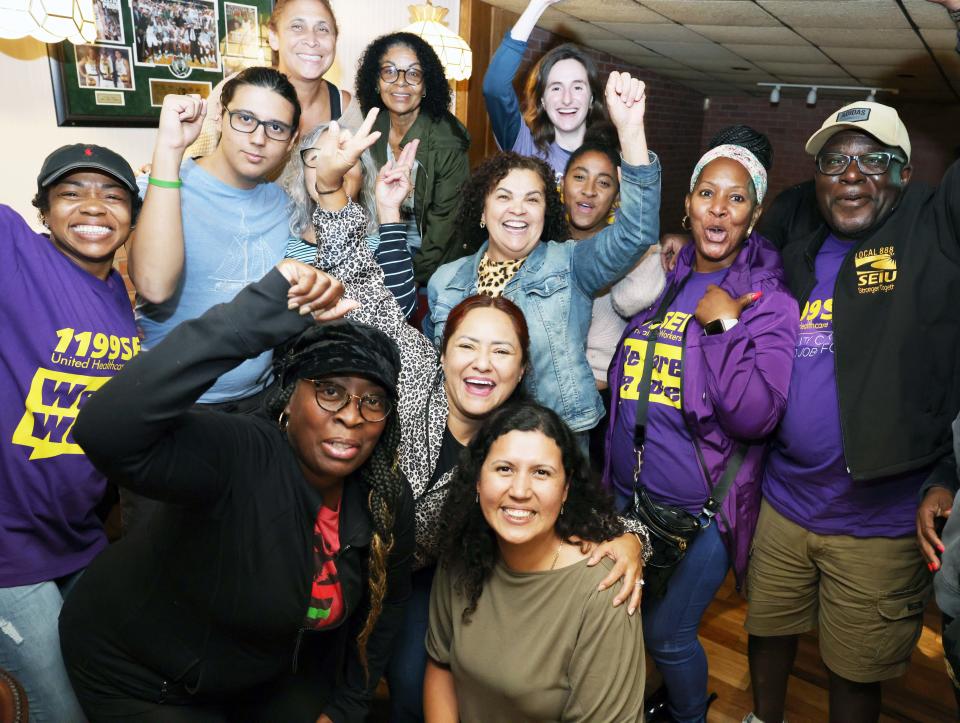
point(67, 328)
point(273, 583)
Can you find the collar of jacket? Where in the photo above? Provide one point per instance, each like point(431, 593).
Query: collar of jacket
point(420, 129)
point(355, 527)
point(466, 277)
point(758, 260)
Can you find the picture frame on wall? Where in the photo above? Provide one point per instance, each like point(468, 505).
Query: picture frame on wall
point(146, 49)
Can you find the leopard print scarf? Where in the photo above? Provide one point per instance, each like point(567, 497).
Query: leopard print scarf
point(492, 276)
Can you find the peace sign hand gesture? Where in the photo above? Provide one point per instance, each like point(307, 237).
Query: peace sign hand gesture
point(338, 150)
point(394, 184)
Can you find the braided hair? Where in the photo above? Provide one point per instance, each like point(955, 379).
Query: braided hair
point(753, 140)
point(380, 476)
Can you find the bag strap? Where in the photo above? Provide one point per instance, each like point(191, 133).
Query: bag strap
point(719, 492)
point(643, 391)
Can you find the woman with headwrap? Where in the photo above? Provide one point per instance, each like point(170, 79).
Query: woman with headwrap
point(272, 584)
point(723, 335)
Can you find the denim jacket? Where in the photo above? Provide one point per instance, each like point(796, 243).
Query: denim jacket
point(555, 288)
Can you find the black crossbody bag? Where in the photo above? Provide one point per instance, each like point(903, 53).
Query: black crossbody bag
point(671, 529)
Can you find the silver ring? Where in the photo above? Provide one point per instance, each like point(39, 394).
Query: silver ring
point(638, 583)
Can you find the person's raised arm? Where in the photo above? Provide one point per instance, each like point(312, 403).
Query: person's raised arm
point(603, 259)
point(953, 8)
point(393, 254)
point(343, 253)
point(501, 100)
point(528, 19)
point(337, 151)
point(155, 249)
point(139, 430)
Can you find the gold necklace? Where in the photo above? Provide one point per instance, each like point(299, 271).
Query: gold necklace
point(557, 556)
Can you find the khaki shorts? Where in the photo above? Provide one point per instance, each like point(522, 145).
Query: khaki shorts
point(866, 595)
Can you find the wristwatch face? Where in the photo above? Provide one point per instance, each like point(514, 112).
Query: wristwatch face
point(718, 326)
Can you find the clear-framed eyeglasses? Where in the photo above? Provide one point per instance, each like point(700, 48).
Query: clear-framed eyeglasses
point(245, 122)
point(332, 397)
point(391, 74)
point(870, 164)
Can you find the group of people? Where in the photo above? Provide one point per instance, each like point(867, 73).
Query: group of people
point(167, 30)
point(473, 431)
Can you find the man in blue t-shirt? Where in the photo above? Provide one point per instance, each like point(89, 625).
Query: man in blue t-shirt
point(868, 414)
point(211, 226)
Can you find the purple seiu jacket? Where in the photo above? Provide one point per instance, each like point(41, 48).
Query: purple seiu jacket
point(733, 385)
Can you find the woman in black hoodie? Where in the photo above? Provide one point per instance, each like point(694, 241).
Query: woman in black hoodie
point(272, 585)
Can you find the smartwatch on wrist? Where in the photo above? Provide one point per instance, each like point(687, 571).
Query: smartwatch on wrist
point(718, 326)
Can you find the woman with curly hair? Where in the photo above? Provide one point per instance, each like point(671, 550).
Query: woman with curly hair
point(518, 628)
point(511, 208)
point(401, 75)
point(563, 95)
point(444, 397)
point(272, 584)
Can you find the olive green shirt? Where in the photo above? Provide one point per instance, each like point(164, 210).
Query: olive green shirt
point(541, 646)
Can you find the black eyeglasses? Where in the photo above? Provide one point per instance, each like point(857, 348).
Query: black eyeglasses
point(310, 157)
point(870, 164)
point(391, 74)
point(331, 397)
point(245, 122)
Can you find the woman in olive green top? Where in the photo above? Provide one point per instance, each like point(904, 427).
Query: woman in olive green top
point(401, 74)
point(518, 630)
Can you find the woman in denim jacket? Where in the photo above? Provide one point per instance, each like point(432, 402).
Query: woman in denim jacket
point(511, 203)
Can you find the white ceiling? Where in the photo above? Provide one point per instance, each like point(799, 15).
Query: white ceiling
point(725, 47)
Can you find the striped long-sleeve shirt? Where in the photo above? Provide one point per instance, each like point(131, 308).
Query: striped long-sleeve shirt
point(390, 250)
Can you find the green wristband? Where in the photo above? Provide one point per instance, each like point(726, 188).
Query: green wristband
point(164, 184)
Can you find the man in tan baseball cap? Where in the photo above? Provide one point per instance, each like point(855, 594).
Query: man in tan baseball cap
point(880, 121)
point(876, 273)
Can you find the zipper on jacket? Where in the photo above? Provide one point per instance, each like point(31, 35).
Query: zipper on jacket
point(343, 618)
point(836, 354)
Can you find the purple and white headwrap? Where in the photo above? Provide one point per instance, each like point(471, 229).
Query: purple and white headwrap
point(742, 156)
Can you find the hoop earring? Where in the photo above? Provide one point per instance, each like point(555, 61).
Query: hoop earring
point(482, 224)
point(283, 420)
point(478, 498)
point(685, 223)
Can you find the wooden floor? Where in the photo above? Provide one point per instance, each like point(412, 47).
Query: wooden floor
point(923, 695)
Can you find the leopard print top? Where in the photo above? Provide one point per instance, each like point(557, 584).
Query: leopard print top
point(492, 276)
point(422, 405)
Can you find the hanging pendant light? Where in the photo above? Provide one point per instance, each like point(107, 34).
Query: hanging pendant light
point(454, 52)
point(50, 21)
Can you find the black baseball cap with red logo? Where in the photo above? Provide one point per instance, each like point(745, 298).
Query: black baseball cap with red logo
point(79, 156)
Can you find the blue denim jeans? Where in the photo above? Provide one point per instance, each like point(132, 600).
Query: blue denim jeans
point(30, 648)
point(670, 625)
point(409, 660)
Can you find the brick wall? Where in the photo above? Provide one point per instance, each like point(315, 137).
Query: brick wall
point(674, 121)
point(934, 132)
